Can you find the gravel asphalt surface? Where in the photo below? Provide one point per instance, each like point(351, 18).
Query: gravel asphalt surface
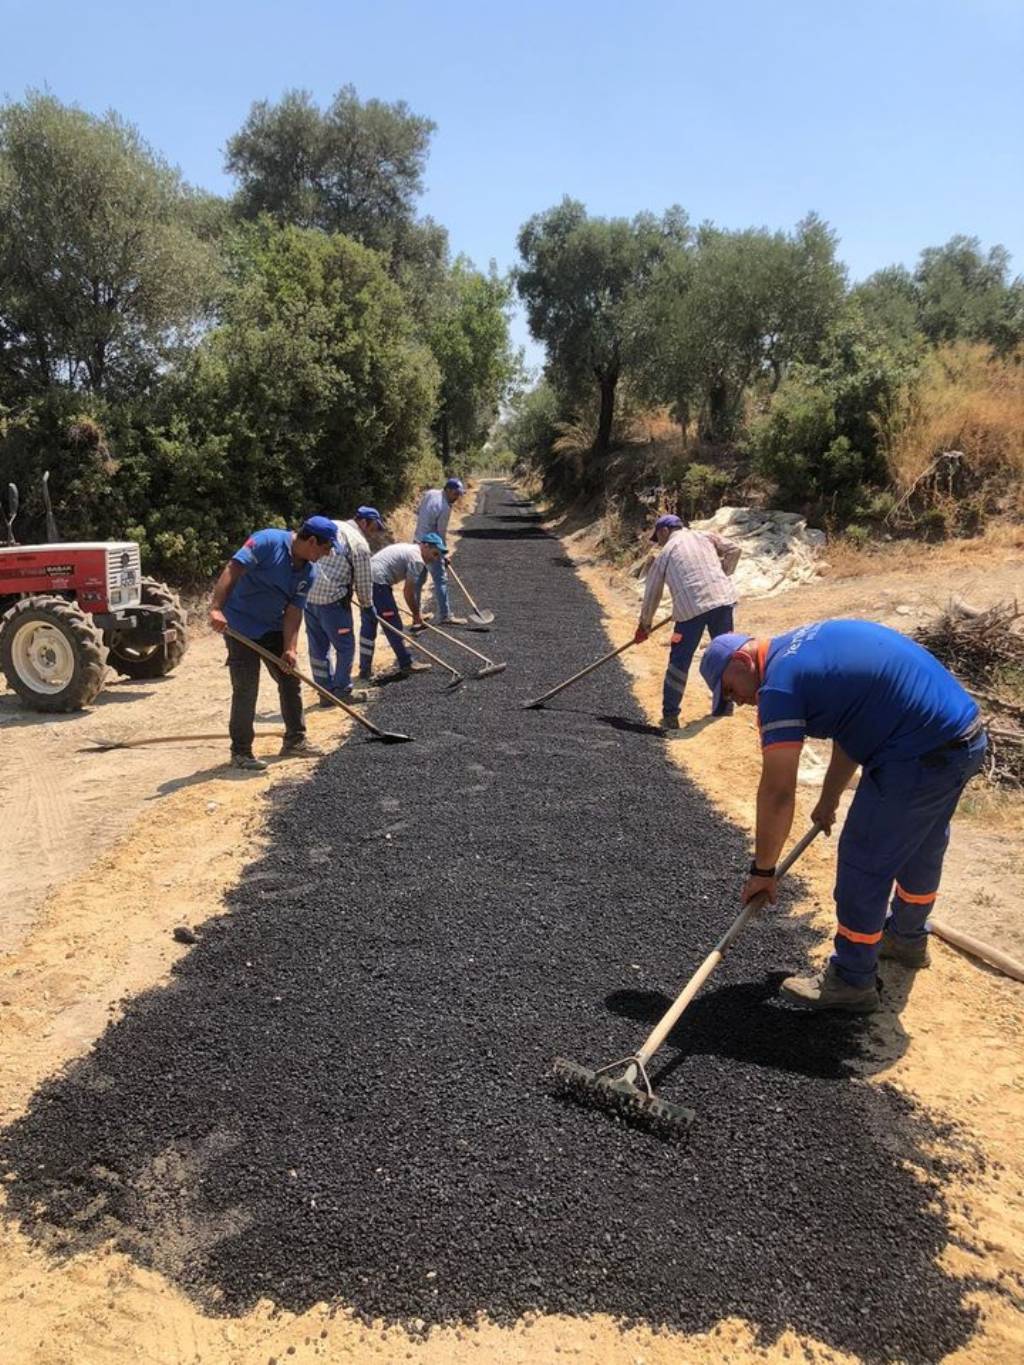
point(344, 1094)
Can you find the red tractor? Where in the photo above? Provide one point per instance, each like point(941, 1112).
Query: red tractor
point(71, 610)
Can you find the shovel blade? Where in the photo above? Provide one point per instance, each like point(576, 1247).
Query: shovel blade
point(391, 737)
point(534, 705)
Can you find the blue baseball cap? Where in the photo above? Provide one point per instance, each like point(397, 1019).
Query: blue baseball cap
point(457, 484)
point(321, 527)
point(673, 523)
point(432, 538)
point(714, 663)
point(369, 514)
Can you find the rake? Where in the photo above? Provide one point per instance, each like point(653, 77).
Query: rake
point(490, 667)
point(598, 663)
point(457, 678)
point(481, 620)
point(385, 736)
point(624, 1087)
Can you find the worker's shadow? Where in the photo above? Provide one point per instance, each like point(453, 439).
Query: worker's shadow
point(749, 1022)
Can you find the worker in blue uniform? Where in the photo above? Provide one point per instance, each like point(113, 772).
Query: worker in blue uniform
point(892, 710)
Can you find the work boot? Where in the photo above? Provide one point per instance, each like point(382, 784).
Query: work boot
point(248, 763)
point(454, 621)
point(828, 991)
point(301, 748)
point(670, 727)
point(356, 696)
point(417, 666)
point(909, 952)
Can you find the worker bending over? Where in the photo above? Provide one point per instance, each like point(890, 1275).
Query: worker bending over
point(329, 605)
point(891, 709)
point(404, 563)
point(432, 519)
point(260, 594)
point(695, 567)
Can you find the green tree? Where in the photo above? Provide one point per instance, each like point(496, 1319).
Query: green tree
point(584, 282)
point(470, 342)
point(356, 167)
point(103, 271)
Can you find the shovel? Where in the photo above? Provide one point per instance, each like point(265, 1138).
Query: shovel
point(480, 620)
point(598, 663)
point(385, 736)
point(490, 667)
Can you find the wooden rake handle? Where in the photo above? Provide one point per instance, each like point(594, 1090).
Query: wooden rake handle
point(598, 663)
point(665, 1025)
point(465, 590)
point(411, 640)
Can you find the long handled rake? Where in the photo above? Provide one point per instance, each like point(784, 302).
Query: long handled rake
point(490, 667)
point(480, 619)
point(457, 678)
point(598, 663)
point(103, 745)
point(624, 1087)
point(385, 736)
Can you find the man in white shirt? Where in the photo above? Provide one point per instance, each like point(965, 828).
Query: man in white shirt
point(432, 518)
point(329, 605)
point(404, 563)
point(695, 567)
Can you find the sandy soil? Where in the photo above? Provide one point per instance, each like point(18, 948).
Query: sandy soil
point(110, 851)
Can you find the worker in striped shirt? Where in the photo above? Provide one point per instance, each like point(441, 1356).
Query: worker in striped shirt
point(404, 563)
point(329, 605)
point(432, 518)
point(695, 567)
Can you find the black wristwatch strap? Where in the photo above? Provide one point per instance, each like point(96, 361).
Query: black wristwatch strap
point(756, 871)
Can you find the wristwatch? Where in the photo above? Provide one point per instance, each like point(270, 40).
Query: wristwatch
point(756, 871)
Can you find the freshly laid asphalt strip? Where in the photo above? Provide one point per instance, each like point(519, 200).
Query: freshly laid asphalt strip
point(344, 1093)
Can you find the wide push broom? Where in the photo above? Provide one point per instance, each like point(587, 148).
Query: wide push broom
point(624, 1087)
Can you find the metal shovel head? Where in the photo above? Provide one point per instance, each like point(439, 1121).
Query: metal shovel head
point(614, 1094)
point(392, 737)
point(456, 681)
point(489, 670)
point(534, 705)
point(480, 620)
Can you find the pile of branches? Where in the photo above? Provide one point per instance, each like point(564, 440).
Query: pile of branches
point(985, 650)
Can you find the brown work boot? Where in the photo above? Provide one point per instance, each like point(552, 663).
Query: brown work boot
point(909, 952)
point(301, 748)
point(670, 727)
point(453, 621)
point(828, 991)
point(417, 666)
point(248, 763)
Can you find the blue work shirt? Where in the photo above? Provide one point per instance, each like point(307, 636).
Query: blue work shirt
point(271, 582)
point(879, 695)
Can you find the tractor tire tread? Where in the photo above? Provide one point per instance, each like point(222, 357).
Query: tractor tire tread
point(87, 640)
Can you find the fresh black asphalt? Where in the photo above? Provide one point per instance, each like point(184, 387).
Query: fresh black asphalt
point(344, 1092)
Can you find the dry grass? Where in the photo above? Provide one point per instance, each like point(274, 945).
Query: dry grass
point(848, 560)
point(963, 401)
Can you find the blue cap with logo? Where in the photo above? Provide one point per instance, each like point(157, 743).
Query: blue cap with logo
point(369, 514)
point(321, 527)
point(432, 538)
point(670, 522)
point(457, 484)
point(714, 663)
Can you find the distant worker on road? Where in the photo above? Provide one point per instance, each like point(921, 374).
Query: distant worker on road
point(329, 605)
point(404, 563)
point(695, 567)
point(891, 709)
point(260, 594)
point(432, 518)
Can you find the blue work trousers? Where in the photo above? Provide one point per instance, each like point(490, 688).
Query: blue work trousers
point(442, 604)
point(685, 639)
point(387, 608)
point(329, 628)
point(892, 845)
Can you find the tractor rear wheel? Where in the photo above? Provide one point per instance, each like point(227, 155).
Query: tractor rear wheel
point(52, 654)
point(137, 660)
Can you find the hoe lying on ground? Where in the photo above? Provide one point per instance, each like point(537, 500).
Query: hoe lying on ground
point(624, 1087)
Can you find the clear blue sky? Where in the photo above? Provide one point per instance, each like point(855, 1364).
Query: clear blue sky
point(899, 121)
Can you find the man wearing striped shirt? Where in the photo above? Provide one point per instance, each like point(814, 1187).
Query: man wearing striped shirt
point(404, 563)
point(432, 518)
point(329, 605)
point(695, 567)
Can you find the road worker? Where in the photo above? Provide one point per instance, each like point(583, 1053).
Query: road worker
point(892, 710)
point(329, 605)
point(406, 563)
point(435, 509)
point(695, 566)
point(260, 594)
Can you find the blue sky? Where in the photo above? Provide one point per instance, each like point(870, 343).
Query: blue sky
point(899, 122)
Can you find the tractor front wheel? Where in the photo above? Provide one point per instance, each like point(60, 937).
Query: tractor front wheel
point(138, 659)
point(52, 654)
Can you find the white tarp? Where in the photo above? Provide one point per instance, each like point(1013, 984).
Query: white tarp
point(779, 549)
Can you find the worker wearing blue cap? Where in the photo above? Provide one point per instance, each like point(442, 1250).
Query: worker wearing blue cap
point(260, 594)
point(329, 627)
point(891, 709)
point(432, 519)
point(695, 566)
